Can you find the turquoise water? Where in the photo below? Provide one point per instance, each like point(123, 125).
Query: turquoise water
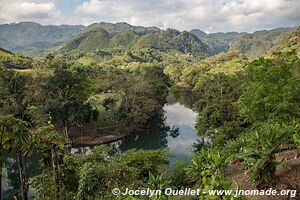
point(174, 131)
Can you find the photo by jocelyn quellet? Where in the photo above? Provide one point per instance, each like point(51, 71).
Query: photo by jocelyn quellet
point(152, 193)
point(197, 192)
point(112, 110)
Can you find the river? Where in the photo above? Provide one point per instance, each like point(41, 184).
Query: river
point(173, 131)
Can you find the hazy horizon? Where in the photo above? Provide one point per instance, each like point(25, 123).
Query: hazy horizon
point(148, 26)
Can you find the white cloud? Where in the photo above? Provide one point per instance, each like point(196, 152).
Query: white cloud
point(40, 11)
point(208, 15)
point(11, 11)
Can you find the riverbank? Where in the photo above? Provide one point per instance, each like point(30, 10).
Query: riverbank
point(174, 129)
point(89, 135)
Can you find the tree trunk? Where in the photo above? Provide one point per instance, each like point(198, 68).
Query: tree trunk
point(55, 172)
point(66, 130)
point(23, 179)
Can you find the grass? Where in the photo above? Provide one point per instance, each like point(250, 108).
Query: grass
point(86, 60)
point(106, 117)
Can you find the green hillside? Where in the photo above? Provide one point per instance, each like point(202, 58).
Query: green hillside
point(125, 39)
point(251, 44)
point(220, 42)
point(89, 40)
point(291, 43)
point(199, 33)
point(258, 43)
point(173, 39)
point(98, 38)
point(217, 42)
point(31, 38)
point(11, 60)
point(120, 27)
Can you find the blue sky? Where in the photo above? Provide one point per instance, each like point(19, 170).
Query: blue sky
point(69, 6)
point(208, 15)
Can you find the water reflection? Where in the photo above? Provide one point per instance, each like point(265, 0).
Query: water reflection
point(154, 138)
point(183, 96)
point(174, 131)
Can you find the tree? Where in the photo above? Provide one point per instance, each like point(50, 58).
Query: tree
point(272, 91)
point(13, 98)
point(67, 93)
point(14, 109)
point(217, 97)
point(53, 147)
point(19, 137)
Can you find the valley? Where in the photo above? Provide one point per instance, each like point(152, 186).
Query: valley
point(86, 109)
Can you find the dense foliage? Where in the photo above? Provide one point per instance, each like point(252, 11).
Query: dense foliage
point(99, 39)
point(247, 110)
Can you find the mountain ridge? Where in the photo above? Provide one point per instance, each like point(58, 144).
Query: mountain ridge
point(251, 44)
point(260, 42)
point(98, 38)
point(30, 38)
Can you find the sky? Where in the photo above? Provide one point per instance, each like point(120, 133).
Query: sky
point(207, 15)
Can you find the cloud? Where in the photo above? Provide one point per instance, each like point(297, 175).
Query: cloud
point(40, 11)
point(208, 15)
point(11, 11)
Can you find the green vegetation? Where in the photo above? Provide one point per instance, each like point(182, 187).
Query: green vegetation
point(217, 42)
point(257, 44)
point(11, 60)
point(32, 38)
point(121, 27)
point(22, 38)
point(253, 45)
point(99, 39)
point(113, 80)
point(291, 43)
point(98, 172)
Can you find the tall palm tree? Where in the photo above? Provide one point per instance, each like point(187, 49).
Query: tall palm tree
point(20, 138)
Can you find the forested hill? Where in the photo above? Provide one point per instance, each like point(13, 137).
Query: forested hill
point(220, 42)
point(120, 27)
point(257, 44)
point(11, 60)
point(199, 33)
point(31, 38)
point(291, 43)
point(217, 42)
point(97, 38)
point(251, 44)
